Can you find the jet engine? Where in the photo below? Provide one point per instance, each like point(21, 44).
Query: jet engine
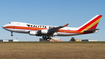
point(42, 32)
point(55, 34)
point(33, 32)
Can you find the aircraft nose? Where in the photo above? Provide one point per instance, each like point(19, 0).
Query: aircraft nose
point(4, 26)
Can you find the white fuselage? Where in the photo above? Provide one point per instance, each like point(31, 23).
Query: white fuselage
point(26, 28)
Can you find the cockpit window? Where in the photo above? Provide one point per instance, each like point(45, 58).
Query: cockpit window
point(9, 22)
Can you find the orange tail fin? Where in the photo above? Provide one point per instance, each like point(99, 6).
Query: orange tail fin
point(91, 24)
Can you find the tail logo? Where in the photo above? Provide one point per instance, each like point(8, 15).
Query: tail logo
point(91, 24)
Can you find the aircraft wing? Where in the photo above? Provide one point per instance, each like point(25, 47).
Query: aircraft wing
point(55, 29)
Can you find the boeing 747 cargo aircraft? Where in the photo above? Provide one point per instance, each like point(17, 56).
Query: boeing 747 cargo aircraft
point(48, 31)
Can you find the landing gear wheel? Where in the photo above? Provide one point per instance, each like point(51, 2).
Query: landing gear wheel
point(45, 37)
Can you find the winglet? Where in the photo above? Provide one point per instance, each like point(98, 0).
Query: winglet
point(66, 25)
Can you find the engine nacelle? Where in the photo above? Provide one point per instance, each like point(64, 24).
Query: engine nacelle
point(41, 32)
point(44, 31)
point(33, 32)
point(55, 34)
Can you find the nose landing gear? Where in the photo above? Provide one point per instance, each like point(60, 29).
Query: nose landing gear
point(11, 33)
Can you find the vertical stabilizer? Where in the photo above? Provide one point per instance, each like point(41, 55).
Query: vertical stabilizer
point(91, 24)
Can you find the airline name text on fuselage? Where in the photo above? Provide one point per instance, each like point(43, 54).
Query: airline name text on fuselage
point(40, 26)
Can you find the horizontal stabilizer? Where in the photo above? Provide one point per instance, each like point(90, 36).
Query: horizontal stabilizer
point(91, 31)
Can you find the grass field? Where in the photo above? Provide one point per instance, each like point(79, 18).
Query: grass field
point(57, 50)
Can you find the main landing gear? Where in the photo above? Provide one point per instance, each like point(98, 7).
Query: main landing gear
point(45, 37)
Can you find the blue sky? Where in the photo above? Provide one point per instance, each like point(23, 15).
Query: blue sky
point(51, 12)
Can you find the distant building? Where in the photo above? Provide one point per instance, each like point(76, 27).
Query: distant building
point(88, 40)
point(2, 40)
point(56, 40)
point(8, 40)
point(74, 39)
point(52, 40)
point(13, 40)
